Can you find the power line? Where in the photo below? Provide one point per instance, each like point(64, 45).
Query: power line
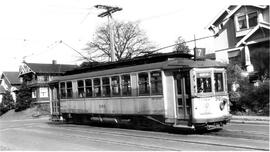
point(165, 47)
point(75, 50)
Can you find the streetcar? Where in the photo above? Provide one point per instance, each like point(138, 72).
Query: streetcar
point(171, 89)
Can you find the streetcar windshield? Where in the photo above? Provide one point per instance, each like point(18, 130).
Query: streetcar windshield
point(204, 82)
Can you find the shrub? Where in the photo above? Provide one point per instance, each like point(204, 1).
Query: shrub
point(256, 98)
point(7, 103)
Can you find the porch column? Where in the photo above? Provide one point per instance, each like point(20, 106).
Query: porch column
point(248, 64)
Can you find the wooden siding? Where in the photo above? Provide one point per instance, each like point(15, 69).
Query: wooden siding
point(123, 105)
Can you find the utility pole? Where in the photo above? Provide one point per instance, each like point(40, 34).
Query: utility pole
point(108, 12)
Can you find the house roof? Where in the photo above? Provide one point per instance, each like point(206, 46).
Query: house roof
point(50, 68)
point(229, 11)
point(12, 77)
point(252, 32)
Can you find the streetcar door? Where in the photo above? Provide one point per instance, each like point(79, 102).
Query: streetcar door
point(183, 96)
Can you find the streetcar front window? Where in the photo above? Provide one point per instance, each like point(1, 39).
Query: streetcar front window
point(204, 82)
point(219, 87)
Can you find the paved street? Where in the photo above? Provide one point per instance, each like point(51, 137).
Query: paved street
point(38, 134)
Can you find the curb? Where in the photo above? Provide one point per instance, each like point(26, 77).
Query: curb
point(249, 122)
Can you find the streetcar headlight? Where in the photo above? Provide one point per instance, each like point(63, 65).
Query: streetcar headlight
point(222, 104)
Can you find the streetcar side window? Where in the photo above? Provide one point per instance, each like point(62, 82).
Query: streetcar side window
point(144, 88)
point(69, 89)
point(204, 82)
point(80, 84)
point(97, 87)
point(126, 85)
point(219, 87)
point(156, 83)
point(88, 88)
point(115, 86)
point(106, 87)
point(62, 90)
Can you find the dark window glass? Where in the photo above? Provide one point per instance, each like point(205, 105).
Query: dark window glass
point(242, 22)
point(62, 90)
point(81, 92)
point(252, 19)
point(204, 82)
point(218, 82)
point(97, 87)
point(144, 84)
point(156, 83)
point(69, 89)
point(125, 82)
point(115, 86)
point(106, 91)
point(88, 88)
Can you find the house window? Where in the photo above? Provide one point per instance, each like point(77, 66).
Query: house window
point(43, 92)
point(156, 83)
point(126, 87)
point(247, 21)
point(144, 88)
point(252, 19)
point(88, 88)
point(80, 84)
point(115, 86)
point(242, 22)
point(106, 91)
point(34, 94)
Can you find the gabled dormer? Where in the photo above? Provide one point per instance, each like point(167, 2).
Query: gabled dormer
point(246, 18)
point(235, 22)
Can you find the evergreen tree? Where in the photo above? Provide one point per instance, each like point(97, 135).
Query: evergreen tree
point(7, 103)
point(24, 98)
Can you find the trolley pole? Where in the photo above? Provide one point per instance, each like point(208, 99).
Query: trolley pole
point(108, 12)
point(194, 48)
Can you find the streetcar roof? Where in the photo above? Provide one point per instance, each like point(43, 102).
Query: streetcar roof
point(171, 63)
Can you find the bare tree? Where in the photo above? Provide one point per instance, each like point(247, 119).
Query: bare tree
point(129, 41)
point(181, 45)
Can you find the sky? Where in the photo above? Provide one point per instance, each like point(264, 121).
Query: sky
point(30, 30)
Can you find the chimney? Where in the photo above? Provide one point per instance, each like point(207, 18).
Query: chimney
point(54, 62)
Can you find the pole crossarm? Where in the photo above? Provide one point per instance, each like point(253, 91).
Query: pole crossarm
point(109, 10)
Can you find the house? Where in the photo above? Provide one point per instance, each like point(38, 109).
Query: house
point(11, 82)
point(36, 76)
point(242, 37)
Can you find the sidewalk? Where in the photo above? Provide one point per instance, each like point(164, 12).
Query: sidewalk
point(250, 119)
